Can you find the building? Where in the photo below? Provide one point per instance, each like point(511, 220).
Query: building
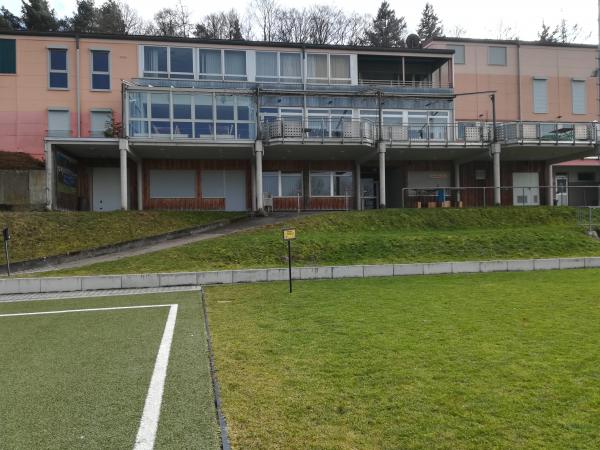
point(547, 87)
point(176, 123)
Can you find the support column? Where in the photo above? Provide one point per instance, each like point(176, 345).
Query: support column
point(140, 189)
point(496, 147)
point(49, 156)
point(457, 181)
point(123, 148)
point(253, 183)
point(359, 203)
point(381, 151)
point(550, 183)
point(258, 152)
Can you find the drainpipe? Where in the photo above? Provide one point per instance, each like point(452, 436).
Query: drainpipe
point(78, 86)
point(519, 78)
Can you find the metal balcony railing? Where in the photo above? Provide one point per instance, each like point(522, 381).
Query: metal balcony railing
point(428, 84)
point(326, 129)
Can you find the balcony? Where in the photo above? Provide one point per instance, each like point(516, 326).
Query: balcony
point(460, 134)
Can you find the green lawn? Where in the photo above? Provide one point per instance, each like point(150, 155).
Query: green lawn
point(79, 380)
point(480, 361)
point(390, 236)
point(42, 234)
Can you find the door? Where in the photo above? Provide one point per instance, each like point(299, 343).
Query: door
point(561, 183)
point(369, 193)
point(235, 190)
point(106, 189)
point(526, 188)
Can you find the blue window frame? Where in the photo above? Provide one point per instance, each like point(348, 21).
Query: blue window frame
point(101, 70)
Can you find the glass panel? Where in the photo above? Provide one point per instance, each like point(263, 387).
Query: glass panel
point(182, 60)
point(271, 183)
point(246, 131)
point(209, 62)
point(155, 59)
point(99, 61)
point(266, 66)
point(290, 65)
point(138, 104)
point(182, 129)
point(497, 56)
point(160, 106)
point(317, 67)
point(340, 66)
point(138, 128)
point(342, 183)
point(459, 53)
point(58, 80)
point(235, 64)
point(159, 127)
point(100, 81)
point(246, 110)
point(203, 129)
point(58, 59)
point(182, 106)
point(320, 184)
point(204, 107)
point(226, 129)
point(225, 107)
point(291, 184)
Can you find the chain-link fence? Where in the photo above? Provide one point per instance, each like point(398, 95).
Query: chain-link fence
point(483, 196)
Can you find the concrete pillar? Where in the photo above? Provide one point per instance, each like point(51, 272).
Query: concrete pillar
point(123, 148)
point(457, 180)
point(258, 152)
point(140, 188)
point(49, 156)
point(550, 184)
point(381, 151)
point(496, 147)
point(253, 183)
point(359, 203)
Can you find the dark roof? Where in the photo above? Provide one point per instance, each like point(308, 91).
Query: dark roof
point(508, 41)
point(131, 37)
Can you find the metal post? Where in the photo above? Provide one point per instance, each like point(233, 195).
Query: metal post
point(298, 195)
point(289, 242)
point(140, 191)
point(123, 148)
point(7, 258)
point(493, 99)
point(258, 151)
point(381, 149)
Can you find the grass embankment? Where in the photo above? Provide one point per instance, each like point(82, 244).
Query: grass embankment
point(41, 234)
point(390, 236)
point(479, 361)
point(80, 379)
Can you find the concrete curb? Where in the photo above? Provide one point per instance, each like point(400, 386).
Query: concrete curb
point(50, 261)
point(153, 280)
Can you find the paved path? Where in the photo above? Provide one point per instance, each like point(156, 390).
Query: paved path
point(236, 227)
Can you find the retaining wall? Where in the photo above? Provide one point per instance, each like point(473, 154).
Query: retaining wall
point(86, 283)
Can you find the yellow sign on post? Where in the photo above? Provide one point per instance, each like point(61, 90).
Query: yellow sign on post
point(289, 234)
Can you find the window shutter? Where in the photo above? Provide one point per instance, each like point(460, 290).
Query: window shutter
point(8, 56)
point(540, 96)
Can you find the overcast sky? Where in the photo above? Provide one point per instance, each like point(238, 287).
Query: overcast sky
point(481, 18)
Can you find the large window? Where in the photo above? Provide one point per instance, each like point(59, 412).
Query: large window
point(290, 68)
point(209, 64)
point(181, 63)
point(459, 53)
point(155, 62)
point(540, 95)
point(578, 96)
point(497, 56)
point(340, 69)
point(187, 115)
point(316, 68)
point(266, 66)
point(322, 68)
point(329, 184)
point(235, 65)
point(100, 70)
point(8, 56)
point(58, 76)
point(274, 66)
point(282, 184)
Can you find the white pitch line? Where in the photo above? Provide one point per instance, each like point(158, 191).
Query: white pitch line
point(149, 423)
point(111, 308)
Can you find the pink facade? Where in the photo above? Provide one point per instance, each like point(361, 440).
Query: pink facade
point(513, 82)
point(26, 97)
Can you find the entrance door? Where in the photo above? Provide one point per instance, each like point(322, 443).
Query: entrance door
point(106, 189)
point(561, 183)
point(526, 188)
point(369, 193)
point(235, 190)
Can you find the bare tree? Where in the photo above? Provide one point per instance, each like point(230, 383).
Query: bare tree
point(220, 26)
point(355, 30)
point(324, 24)
point(292, 25)
point(172, 21)
point(568, 34)
point(457, 31)
point(134, 24)
point(506, 32)
point(264, 14)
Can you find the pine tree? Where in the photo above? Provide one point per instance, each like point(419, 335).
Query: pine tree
point(84, 19)
point(8, 21)
point(110, 18)
point(430, 25)
point(548, 35)
point(37, 16)
point(387, 30)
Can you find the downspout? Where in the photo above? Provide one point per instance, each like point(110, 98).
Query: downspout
point(78, 86)
point(519, 79)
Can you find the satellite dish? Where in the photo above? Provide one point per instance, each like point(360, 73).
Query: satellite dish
point(413, 41)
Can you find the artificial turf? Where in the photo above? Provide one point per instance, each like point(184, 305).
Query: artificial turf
point(79, 380)
point(507, 360)
point(374, 237)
